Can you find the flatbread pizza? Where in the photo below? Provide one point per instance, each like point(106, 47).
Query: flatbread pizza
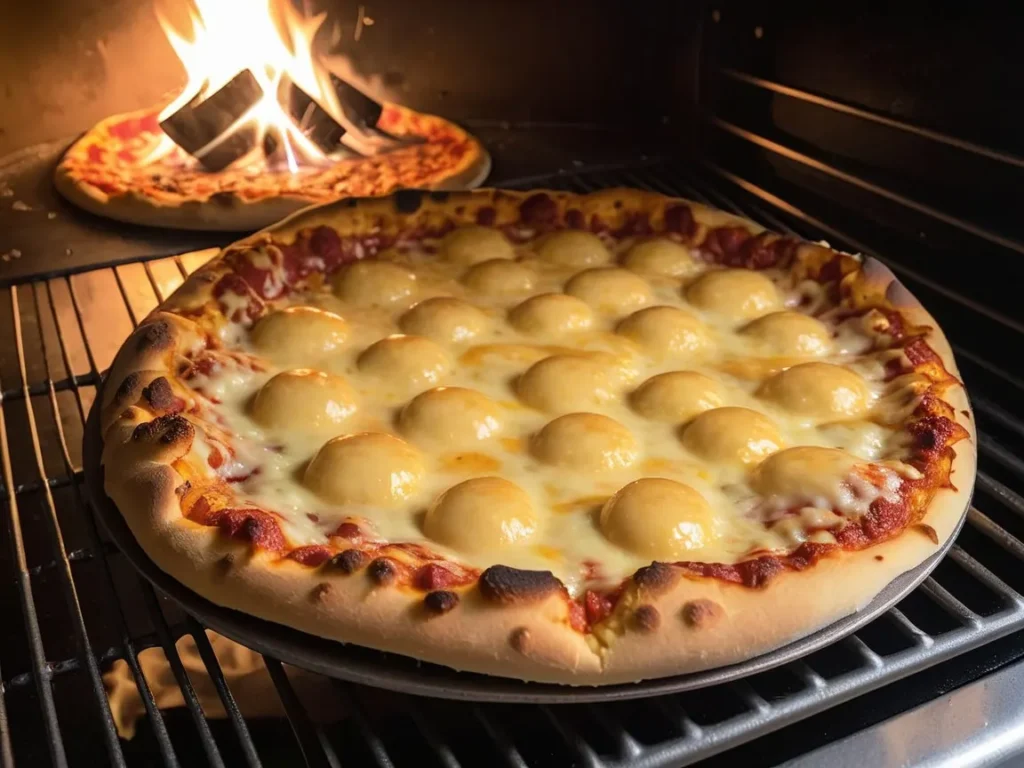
point(111, 171)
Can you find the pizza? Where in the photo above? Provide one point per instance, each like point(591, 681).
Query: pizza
point(574, 439)
point(126, 168)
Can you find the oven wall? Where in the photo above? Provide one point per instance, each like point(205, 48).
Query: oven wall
point(64, 66)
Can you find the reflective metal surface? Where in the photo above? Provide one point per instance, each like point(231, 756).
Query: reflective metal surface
point(977, 726)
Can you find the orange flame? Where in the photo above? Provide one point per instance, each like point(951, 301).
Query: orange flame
point(269, 39)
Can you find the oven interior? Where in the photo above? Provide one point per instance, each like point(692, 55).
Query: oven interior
point(892, 132)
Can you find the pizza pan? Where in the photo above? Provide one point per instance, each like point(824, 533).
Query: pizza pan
point(399, 673)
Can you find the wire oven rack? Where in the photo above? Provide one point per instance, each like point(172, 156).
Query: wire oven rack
point(73, 605)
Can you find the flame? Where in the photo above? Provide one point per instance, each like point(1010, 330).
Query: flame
point(272, 41)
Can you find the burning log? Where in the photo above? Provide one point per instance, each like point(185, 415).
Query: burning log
point(203, 122)
point(313, 121)
point(235, 145)
point(360, 110)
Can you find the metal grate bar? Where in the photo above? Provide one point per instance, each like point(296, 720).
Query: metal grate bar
point(990, 368)
point(181, 676)
point(864, 651)
point(57, 540)
point(750, 697)
point(507, 750)
point(676, 714)
point(984, 575)
point(127, 650)
point(40, 669)
point(874, 117)
point(217, 677)
point(1010, 498)
point(366, 729)
point(941, 596)
point(316, 750)
point(1005, 418)
point(748, 208)
point(864, 184)
point(628, 747)
point(910, 630)
point(442, 751)
point(583, 753)
point(994, 450)
point(808, 676)
point(72, 663)
point(995, 533)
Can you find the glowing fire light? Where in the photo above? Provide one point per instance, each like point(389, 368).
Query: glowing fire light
point(272, 41)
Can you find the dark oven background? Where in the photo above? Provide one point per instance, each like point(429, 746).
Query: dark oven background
point(887, 131)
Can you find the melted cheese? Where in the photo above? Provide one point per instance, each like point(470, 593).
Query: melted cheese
point(660, 257)
point(585, 442)
point(471, 245)
point(733, 294)
point(573, 249)
point(610, 290)
point(299, 335)
point(549, 411)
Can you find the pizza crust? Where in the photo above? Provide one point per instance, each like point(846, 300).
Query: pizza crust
point(667, 622)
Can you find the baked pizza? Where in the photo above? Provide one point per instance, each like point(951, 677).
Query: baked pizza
point(126, 168)
point(575, 439)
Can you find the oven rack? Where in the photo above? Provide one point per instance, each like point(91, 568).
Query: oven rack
point(76, 606)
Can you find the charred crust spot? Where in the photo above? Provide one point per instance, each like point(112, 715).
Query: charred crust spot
point(574, 219)
point(646, 619)
point(159, 394)
point(155, 336)
point(966, 414)
point(184, 488)
point(486, 216)
point(440, 601)
point(701, 613)
point(508, 586)
point(320, 592)
point(519, 639)
point(656, 577)
point(383, 571)
point(126, 391)
point(167, 429)
point(408, 200)
point(349, 561)
point(928, 531)
point(879, 558)
point(539, 210)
